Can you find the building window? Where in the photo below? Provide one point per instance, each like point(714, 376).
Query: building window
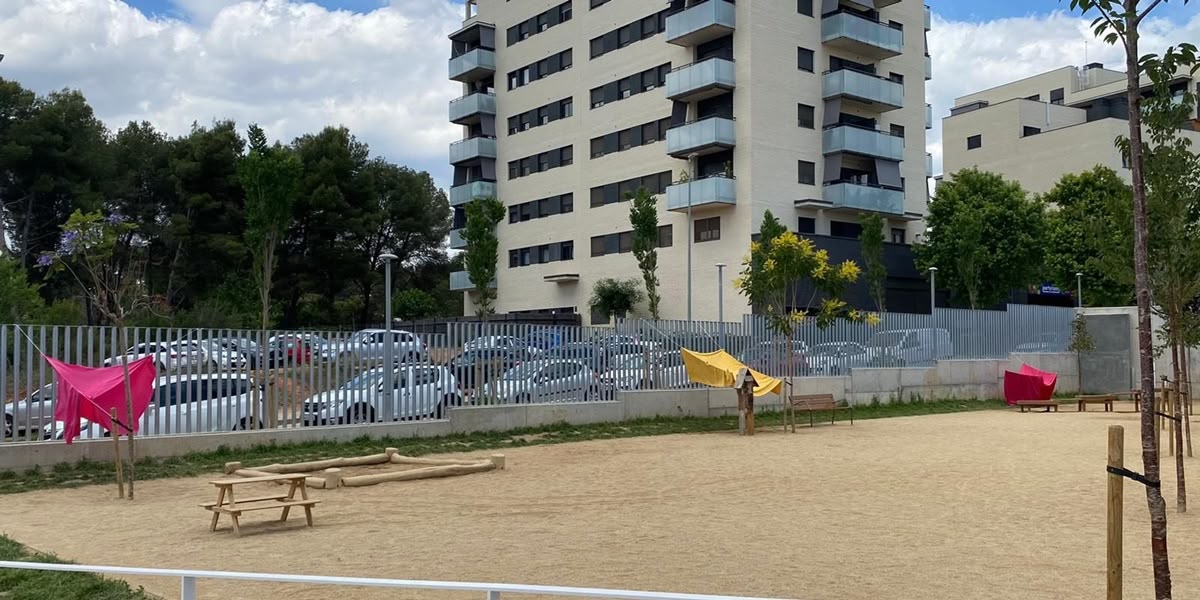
point(804, 59)
point(806, 225)
point(537, 24)
point(708, 230)
point(545, 253)
point(804, 116)
point(897, 77)
point(1057, 96)
point(804, 7)
point(975, 141)
point(539, 116)
point(1028, 131)
point(843, 229)
point(897, 130)
point(808, 172)
point(540, 69)
point(622, 243)
point(538, 209)
point(636, 31)
point(898, 235)
point(559, 157)
point(641, 135)
point(629, 86)
point(1035, 97)
point(615, 192)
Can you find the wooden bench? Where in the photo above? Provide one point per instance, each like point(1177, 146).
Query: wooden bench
point(227, 504)
point(812, 403)
point(1028, 405)
point(1105, 399)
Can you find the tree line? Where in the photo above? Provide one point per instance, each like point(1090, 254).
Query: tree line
point(202, 207)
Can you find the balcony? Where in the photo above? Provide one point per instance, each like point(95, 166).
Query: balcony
point(928, 19)
point(459, 282)
point(472, 150)
point(928, 116)
point(700, 23)
point(928, 67)
point(860, 197)
point(870, 4)
point(702, 193)
point(875, 92)
point(863, 141)
point(701, 80)
point(473, 65)
point(705, 136)
point(456, 240)
point(928, 165)
point(857, 34)
point(470, 109)
point(462, 194)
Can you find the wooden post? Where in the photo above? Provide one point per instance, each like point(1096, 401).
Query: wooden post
point(1177, 442)
point(116, 436)
point(1170, 410)
point(1116, 501)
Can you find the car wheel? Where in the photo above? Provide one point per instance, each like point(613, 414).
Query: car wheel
point(360, 413)
point(161, 367)
point(524, 399)
point(244, 425)
point(8, 425)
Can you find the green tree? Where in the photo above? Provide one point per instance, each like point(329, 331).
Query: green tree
point(871, 241)
point(19, 300)
point(985, 236)
point(643, 215)
point(412, 304)
point(770, 229)
point(270, 177)
point(1120, 22)
point(1085, 213)
point(1081, 341)
point(483, 249)
point(615, 297)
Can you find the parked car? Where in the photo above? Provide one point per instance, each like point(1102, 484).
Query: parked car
point(371, 345)
point(420, 391)
point(550, 381)
point(837, 358)
point(771, 358)
point(168, 356)
point(588, 353)
point(544, 340)
point(30, 413)
point(249, 350)
point(291, 350)
point(315, 342)
point(909, 347)
point(513, 344)
point(489, 363)
point(208, 402)
point(629, 372)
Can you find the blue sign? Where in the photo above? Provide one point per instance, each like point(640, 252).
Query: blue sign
point(1051, 290)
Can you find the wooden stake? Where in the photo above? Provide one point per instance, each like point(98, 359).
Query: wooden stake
point(116, 436)
point(1116, 508)
point(1187, 398)
point(1177, 441)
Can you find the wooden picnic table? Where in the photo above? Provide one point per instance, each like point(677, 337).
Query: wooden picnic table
point(227, 504)
point(1029, 405)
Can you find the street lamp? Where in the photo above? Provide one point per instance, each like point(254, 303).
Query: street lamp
point(1079, 289)
point(690, 234)
point(721, 300)
point(389, 344)
point(932, 289)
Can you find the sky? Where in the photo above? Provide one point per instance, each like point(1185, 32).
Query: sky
point(379, 66)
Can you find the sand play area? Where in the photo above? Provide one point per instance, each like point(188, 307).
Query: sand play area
point(991, 505)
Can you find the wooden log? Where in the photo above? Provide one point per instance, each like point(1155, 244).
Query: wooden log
point(498, 460)
point(232, 467)
point(303, 467)
point(425, 473)
point(251, 473)
point(431, 462)
point(1116, 506)
point(332, 478)
point(359, 461)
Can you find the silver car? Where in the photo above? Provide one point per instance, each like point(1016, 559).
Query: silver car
point(420, 391)
point(31, 413)
point(837, 358)
point(628, 372)
point(371, 345)
point(548, 381)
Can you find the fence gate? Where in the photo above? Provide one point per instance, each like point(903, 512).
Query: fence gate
point(1108, 368)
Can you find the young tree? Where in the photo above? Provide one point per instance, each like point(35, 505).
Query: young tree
point(413, 304)
point(615, 297)
point(482, 252)
point(1120, 21)
point(1084, 213)
point(1081, 341)
point(643, 215)
point(871, 242)
point(987, 225)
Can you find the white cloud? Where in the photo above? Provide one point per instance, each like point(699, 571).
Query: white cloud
point(970, 57)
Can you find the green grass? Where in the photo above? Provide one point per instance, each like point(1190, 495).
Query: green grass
point(21, 584)
point(90, 473)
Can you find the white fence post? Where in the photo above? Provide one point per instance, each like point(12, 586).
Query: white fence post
point(187, 588)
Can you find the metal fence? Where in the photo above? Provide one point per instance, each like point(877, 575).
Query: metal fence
point(223, 380)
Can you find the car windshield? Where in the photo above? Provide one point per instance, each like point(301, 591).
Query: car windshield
point(886, 339)
point(630, 361)
point(364, 381)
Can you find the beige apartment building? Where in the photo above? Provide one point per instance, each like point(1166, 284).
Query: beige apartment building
point(1038, 129)
point(813, 109)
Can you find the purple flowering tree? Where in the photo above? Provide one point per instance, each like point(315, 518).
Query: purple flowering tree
point(102, 254)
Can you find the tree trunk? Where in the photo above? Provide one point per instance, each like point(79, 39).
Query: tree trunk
point(1154, 500)
point(129, 418)
point(1176, 412)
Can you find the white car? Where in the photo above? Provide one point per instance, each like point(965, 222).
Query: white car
point(205, 403)
point(167, 356)
point(371, 345)
point(629, 372)
point(837, 358)
point(549, 381)
point(31, 413)
point(419, 391)
point(506, 342)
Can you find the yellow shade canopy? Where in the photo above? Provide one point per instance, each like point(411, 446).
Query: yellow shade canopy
point(720, 369)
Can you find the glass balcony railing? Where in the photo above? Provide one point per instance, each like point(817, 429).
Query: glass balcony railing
point(474, 65)
point(928, 67)
point(701, 80)
point(700, 23)
point(462, 194)
point(864, 87)
point(928, 165)
point(456, 240)
point(864, 141)
point(460, 281)
point(471, 108)
point(472, 149)
point(701, 137)
point(854, 33)
point(871, 198)
point(700, 193)
point(928, 19)
point(928, 116)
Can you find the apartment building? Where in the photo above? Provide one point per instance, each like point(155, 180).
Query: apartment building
point(812, 109)
point(1038, 129)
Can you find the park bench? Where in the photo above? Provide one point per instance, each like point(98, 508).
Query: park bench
point(226, 504)
point(812, 403)
point(1028, 405)
point(1106, 399)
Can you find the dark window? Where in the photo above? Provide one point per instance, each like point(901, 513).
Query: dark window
point(539, 70)
point(596, 3)
point(808, 172)
point(1035, 97)
point(629, 138)
point(897, 77)
point(539, 23)
point(898, 235)
point(708, 230)
point(1057, 96)
point(975, 141)
point(804, 59)
point(805, 116)
point(545, 161)
point(622, 243)
point(612, 193)
point(629, 86)
point(545, 253)
point(844, 230)
point(665, 236)
point(539, 209)
point(1028, 131)
point(804, 7)
point(806, 225)
point(897, 130)
point(628, 34)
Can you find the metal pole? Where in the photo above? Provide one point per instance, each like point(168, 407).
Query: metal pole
point(932, 289)
point(1079, 289)
point(389, 344)
point(721, 301)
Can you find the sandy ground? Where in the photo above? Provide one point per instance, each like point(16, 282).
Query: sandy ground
point(977, 505)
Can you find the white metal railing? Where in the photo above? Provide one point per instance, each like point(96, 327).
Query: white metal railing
point(188, 579)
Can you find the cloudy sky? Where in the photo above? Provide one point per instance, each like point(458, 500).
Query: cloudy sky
point(379, 66)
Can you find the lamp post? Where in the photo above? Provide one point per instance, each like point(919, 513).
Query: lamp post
point(932, 289)
point(389, 343)
point(721, 300)
point(691, 171)
point(1079, 289)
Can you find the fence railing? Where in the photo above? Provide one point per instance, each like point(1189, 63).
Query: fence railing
point(492, 591)
point(214, 380)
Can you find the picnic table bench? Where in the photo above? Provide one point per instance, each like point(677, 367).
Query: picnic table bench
point(1028, 405)
point(1106, 399)
point(227, 504)
point(812, 403)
